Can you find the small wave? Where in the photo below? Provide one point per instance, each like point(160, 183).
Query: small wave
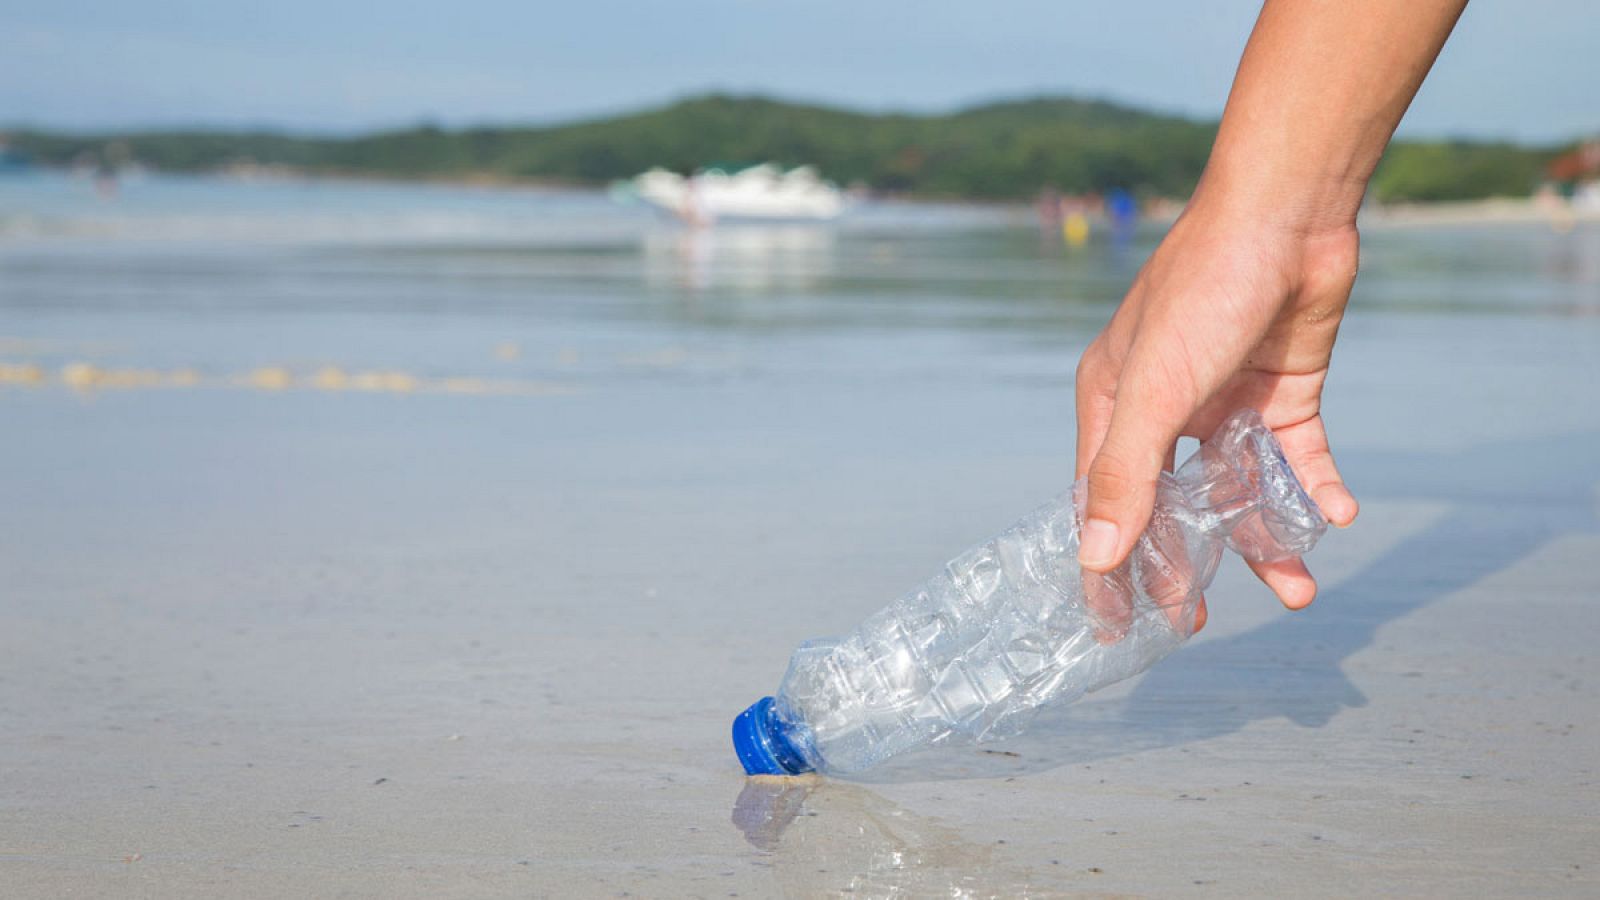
point(87, 377)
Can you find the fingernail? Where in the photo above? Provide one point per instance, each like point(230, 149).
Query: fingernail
point(1097, 544)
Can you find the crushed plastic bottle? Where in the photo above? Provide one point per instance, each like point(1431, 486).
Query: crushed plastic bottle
point(1015, 624)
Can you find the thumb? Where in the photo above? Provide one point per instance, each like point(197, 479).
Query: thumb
point(1122, 484)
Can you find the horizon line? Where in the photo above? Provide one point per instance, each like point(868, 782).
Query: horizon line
point(428, 120)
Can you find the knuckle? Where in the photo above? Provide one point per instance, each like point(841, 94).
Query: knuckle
point(1091, 366)
point(1095, 379)
point(1111, 481)
point(1092, 397)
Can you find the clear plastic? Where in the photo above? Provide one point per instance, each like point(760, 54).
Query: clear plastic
point(1014, 624)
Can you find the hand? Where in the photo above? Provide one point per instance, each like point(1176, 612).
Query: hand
point(1232, 310)
point(1239, 306)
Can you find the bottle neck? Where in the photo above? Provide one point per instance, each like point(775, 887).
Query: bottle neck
point(1244, 492)
point(765, 743)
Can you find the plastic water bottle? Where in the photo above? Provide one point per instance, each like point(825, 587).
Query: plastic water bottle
point(1015, 623)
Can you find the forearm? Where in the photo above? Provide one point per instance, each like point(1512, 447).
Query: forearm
point(1319, 91)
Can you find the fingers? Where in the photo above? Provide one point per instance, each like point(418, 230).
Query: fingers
point(1096, 387)
point(1289, 579)
point(1122, 475)
point(1110, 600)
point(1162, 574)
point(1168, 581)
point(1306, 447)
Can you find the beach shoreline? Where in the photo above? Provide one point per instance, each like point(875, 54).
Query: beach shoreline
point(1494, 211)
point(440, 567)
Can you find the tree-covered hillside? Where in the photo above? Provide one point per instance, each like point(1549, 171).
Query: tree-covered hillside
point(997, 151)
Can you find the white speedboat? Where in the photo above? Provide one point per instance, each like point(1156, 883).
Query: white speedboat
point(764, 193)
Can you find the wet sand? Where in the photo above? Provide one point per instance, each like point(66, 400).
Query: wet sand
point(403, 643)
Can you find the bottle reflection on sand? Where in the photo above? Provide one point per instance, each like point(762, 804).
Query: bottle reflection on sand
point(823, 836)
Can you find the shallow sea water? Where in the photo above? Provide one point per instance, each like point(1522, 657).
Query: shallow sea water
point(384, 540)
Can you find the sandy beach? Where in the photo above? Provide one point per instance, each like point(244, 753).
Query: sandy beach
point(289, 636)
point(1552, 213)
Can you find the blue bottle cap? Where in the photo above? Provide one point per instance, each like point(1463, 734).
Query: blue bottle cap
point(763, 742)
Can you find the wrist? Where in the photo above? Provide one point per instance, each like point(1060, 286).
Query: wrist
point(1298, 195)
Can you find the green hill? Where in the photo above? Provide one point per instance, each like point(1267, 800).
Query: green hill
point(996, 151)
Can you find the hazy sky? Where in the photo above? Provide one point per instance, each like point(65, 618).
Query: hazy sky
point(1522, 68)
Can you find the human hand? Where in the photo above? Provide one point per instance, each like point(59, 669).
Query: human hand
point(1241, 303)
point(1232, 310)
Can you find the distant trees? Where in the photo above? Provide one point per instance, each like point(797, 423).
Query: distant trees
point(1457, 170)
point(998, 151)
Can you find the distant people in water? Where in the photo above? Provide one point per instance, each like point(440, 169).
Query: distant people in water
point(1071, 218)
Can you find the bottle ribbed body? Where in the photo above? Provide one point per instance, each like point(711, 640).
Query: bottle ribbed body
point(1014, 623)
point(1008, 626)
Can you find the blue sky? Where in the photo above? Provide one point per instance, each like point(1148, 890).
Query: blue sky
point(1526, 69)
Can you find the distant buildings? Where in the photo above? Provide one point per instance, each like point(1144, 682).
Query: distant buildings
point(1575, 175)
